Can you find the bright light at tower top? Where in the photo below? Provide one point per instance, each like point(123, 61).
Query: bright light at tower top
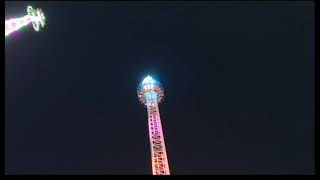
point(148, 80)
point(151, 85)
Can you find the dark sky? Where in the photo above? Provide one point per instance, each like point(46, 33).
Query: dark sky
point(238, 81)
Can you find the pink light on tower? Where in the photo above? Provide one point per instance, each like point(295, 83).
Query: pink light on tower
point(150, 93)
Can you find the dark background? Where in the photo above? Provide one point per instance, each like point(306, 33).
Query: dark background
point(238, 81)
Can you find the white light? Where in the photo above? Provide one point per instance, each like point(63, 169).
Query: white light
point(148, 79)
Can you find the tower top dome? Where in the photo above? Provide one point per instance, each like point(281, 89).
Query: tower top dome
point(150, 84)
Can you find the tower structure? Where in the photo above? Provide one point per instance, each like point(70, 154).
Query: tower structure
point(34, 16)
point(150, 93)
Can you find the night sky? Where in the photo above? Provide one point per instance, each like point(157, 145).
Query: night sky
point(238, 81)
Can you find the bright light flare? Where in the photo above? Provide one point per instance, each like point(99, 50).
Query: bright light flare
point(148, 80)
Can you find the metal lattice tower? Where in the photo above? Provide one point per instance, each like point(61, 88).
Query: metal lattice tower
point(150, 93)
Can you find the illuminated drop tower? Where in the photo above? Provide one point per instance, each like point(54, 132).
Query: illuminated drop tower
point(150, 93)
point(34, 16)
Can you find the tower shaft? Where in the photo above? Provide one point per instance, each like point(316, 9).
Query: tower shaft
point(12, 25)
point(160, 165)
